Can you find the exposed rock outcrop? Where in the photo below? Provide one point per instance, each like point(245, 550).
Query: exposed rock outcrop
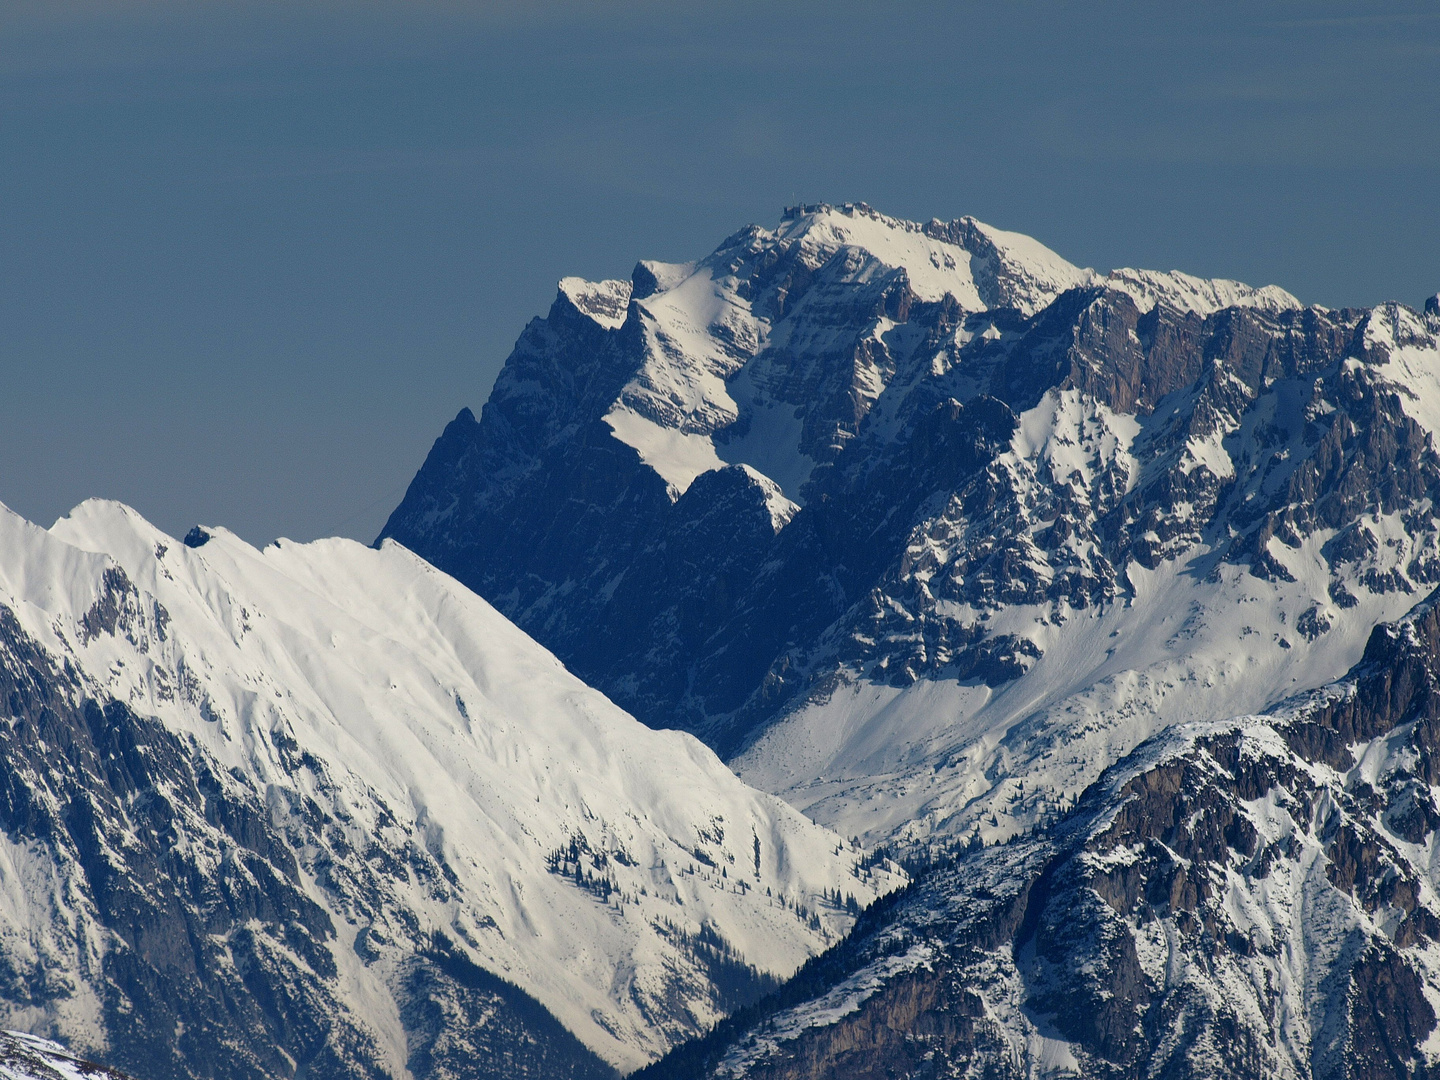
point(1243, 898)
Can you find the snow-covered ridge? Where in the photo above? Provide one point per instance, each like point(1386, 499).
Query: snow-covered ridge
point(28, 1057)
point(580, 846)
point(934, 266)
point(604, 301)
point(706, 328)
point(1185, 292)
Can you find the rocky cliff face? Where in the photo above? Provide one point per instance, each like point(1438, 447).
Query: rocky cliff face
point(1247, 898)
point(177, 919)
point(891, 514)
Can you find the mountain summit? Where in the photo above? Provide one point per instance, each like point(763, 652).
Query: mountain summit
point(922, 526)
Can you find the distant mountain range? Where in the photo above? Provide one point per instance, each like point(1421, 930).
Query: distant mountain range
point(1102, 603)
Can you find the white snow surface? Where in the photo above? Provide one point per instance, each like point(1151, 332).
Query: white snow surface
point(1203, 296)
point(943, 757)
point(933, 267)
point(678, 456)
point(1412, 364)
point(29, 1057)
point(1035, 274)
point(424, 703)
point(604, 301)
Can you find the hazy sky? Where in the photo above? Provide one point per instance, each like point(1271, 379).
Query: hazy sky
point(254, 256)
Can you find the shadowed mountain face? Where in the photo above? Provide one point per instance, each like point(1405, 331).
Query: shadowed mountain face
point(891, 514)
point(1244, 898)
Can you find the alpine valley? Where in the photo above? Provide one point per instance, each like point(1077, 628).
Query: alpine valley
point(1105, 604)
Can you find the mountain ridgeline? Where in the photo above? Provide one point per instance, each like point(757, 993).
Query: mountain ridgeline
point(318, 810)
point(25, 1057)
point(841, 485)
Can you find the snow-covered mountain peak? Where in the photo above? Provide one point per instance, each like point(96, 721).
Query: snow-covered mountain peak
point(772, 351)
point(977, 265)
point(934, 266)
point(651, 276)
point(1204, 296)
point(1012, 270)
point(560, 844)
point(1032, 523)
point(722, 353)
point(1393, 326)
point(781, 509)
point(604, 301)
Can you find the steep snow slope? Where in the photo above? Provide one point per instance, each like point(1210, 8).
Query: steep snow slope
point(1193, 633)
point(24, 1057)
point(604, 868)
point(944, 757)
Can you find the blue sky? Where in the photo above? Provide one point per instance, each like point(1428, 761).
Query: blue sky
point(254, 256)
